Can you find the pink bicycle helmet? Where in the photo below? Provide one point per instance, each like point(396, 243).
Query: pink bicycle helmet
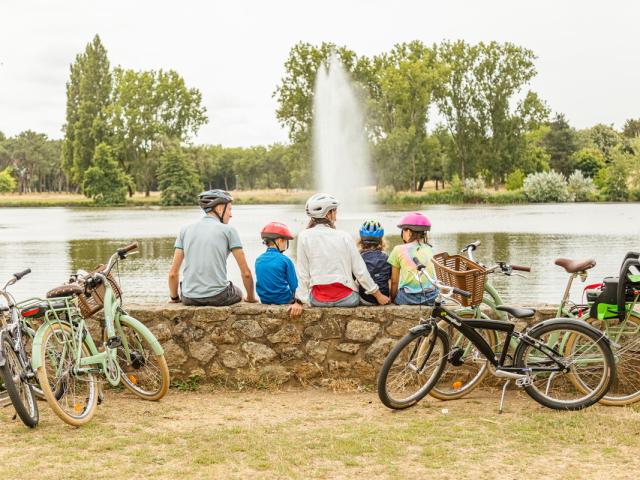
point(415, 222)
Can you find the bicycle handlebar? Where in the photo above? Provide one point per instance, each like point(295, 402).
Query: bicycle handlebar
point(128, 248)
point(520, 268)
point(471, 246)
point(21, 274)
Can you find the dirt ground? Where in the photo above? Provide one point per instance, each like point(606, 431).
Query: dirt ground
point(320, 434)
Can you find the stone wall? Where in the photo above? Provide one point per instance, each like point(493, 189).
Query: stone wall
point(261, 345)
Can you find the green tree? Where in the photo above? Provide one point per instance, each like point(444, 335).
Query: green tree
point(148, 108)
point(105, 182)
point(561, 143)
point(7, 182)
point(589, 161)
point(602, 137)
point(88, 96)
point(178, 179)
point(631, 128)
point(515, 180)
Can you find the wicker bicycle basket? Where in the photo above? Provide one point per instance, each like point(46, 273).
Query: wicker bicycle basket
point(92, 301)
point(460, 272)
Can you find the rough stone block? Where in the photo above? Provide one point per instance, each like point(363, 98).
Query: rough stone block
point(351, 348)
point(400, 327)
point(361, 331)
point(317, 350)
point(231, 359)
point(378, 350)
point(330, 328)
point(287, 334)
point(174, 353)
point(259, 352)
point(203, 351)
point(251, 328)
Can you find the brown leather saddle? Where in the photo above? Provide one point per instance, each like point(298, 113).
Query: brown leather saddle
point(575, 266)
point(67, 290)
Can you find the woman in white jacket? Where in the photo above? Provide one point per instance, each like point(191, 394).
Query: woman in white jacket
point(328, 260)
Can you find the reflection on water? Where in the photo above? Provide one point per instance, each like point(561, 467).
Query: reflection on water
point(56, 242)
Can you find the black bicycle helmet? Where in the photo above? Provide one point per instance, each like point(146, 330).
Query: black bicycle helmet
point(209, 199)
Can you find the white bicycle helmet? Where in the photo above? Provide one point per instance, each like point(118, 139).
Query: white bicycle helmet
point(320, 204)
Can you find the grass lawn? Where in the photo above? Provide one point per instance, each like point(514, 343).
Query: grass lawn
point(276, 196)
point(318, 434)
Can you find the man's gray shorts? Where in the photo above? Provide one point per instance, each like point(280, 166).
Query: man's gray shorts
point(228, 296)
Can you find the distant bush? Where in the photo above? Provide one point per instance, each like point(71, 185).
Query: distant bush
point(546, 187)
point(386, 195)
point(473, 190)
point(7, 182)
point(589, 161)
point(581, 188)
point(515, 180)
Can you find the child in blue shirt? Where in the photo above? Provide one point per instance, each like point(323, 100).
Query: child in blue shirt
point(371, 246)
point(275, 273)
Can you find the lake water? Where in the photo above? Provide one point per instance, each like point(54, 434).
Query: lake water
point(54, 242)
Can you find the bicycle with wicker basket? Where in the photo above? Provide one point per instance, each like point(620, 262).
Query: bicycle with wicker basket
point(548, 358)
point(67, 360)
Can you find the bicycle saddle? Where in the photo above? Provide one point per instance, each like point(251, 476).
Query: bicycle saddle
point(65, 290)
point(575, 266)
point(517, 312)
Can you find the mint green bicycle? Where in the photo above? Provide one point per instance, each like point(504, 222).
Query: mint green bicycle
point(68, 362)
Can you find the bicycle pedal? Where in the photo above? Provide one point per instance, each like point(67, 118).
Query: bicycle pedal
point(114, 342)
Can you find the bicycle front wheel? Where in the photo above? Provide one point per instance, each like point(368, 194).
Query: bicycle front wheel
point(143, 372)
point(412, 368)
point(12, 373)
point(72, 395)
point(625, 390)
point(584, 354)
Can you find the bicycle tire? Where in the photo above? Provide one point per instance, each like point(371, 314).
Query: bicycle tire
point(18, 390)
point(624, 390)
point(440, 345)
point(133, 376)
point(27, 336)
point(441, 389)
point(54, 399)
point(605, 355)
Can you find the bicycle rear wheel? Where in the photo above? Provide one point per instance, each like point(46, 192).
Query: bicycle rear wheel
point(12, 374)
point(582, 350)
point(143, 372)
point(412, 368)
point(73, 396)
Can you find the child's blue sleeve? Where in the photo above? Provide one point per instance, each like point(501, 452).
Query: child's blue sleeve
point(292, 278)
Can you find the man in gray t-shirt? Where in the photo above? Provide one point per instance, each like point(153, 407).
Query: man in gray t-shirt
point(202, 249)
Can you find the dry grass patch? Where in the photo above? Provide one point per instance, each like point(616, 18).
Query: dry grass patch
point(320, 434)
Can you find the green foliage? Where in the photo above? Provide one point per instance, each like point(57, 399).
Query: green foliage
point(105, 182)
point(588, 160)
point(613, 179)
point(603, 138)
point(7, 182)
point(473, 190)
point(560, 143)
point(178, 178)
point(190, 384)
point(631, 128)
point(546, 187)
point(581, 188)
point(88, 96)
point(515, 180)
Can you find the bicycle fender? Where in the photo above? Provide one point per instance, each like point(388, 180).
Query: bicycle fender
point(36, 359)
point(420, 328)
point(2, 359)
point(572, 321)
point(144, 331)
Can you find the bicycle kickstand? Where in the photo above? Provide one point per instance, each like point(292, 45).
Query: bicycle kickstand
point(504, 392)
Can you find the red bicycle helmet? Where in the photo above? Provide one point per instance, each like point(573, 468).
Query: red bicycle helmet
point(274, 230)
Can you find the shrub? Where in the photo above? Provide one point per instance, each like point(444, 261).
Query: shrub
point(515, 180)
point(105, 182)
point(589, 161)
point(7, 182)
point(456, 189)
point(546, 187)
point(581, 188)
point(386, 195)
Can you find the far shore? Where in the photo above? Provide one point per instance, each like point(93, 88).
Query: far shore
point(429, 196)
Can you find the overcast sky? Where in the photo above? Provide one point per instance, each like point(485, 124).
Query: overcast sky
point(588, 51)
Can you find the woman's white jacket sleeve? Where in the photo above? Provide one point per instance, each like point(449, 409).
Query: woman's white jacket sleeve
point(302, 269)
point(359, 268)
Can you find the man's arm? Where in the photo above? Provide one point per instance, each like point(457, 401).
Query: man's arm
point(247, 278)
point(174, 274)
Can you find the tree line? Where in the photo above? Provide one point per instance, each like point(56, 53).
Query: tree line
point(444, 112)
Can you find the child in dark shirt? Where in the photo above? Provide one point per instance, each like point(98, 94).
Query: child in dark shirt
point(371, 245)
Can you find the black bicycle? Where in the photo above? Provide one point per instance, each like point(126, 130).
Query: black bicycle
point(15, 367)
point(552, 357)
